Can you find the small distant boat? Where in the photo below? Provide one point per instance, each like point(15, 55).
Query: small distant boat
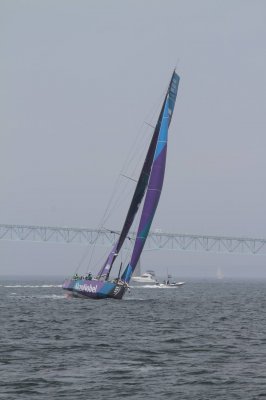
point(219, 273)
point(150, 184)
point(170, 285)
point(167, 283)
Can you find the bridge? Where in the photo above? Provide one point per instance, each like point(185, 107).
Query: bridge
point(155, 240)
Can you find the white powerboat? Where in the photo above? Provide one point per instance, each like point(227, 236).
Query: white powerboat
point(146, 278)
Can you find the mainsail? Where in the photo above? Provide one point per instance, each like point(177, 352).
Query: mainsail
point(143, 178)
point(156, 177)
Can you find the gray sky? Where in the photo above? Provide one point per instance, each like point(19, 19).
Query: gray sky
point(79, 78)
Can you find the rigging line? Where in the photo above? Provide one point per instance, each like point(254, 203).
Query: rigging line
point(119, 201)
point(100, 260)
point(108, 207)
point(124, 193)
point(104, 218)
point(121, 195)
point(139, 157)
point(128, 159)
point(88, 247)
point(134, 146)
point(153, 111)
point(117, 233)
point(107, 215)
point(133, 161)
point(131, 153)
point(146, 137)
point(147, 123)
point(112, 231)
point(132, 241)
point(85, 254)
point(117, 192)
point(126, 253)
point(128, 177)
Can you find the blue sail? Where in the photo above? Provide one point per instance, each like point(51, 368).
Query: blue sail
point(156, 178)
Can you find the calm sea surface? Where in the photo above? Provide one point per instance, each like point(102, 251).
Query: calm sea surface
point(205, 340)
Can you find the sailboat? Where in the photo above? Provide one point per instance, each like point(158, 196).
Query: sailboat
point(149, 184)
point(219, 273)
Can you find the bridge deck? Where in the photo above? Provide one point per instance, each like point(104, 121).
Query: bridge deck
point(155, 240)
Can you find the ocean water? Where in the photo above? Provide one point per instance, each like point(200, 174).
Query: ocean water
point(205, 340)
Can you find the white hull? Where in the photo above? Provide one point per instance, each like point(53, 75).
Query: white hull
point(139, 279)
point(145, 278)
point(170, 285)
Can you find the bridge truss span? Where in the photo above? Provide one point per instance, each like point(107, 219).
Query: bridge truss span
point(155, 240)
point(214, 244)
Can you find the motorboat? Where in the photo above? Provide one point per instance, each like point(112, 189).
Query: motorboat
point(146, 277)
point(167, 284)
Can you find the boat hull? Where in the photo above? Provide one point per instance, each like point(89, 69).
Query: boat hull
point(143, 281)
point(170, 285)
point(94, 289)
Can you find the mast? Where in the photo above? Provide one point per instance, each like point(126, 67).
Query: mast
point(156, 176)
point(138, 194)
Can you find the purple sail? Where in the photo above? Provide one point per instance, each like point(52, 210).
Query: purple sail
point(156, 178)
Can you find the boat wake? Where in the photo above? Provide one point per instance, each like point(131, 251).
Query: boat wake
point(160, 286)
point(31, 286)
point(134, 299)
point(145, 287)
point(38, 296)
